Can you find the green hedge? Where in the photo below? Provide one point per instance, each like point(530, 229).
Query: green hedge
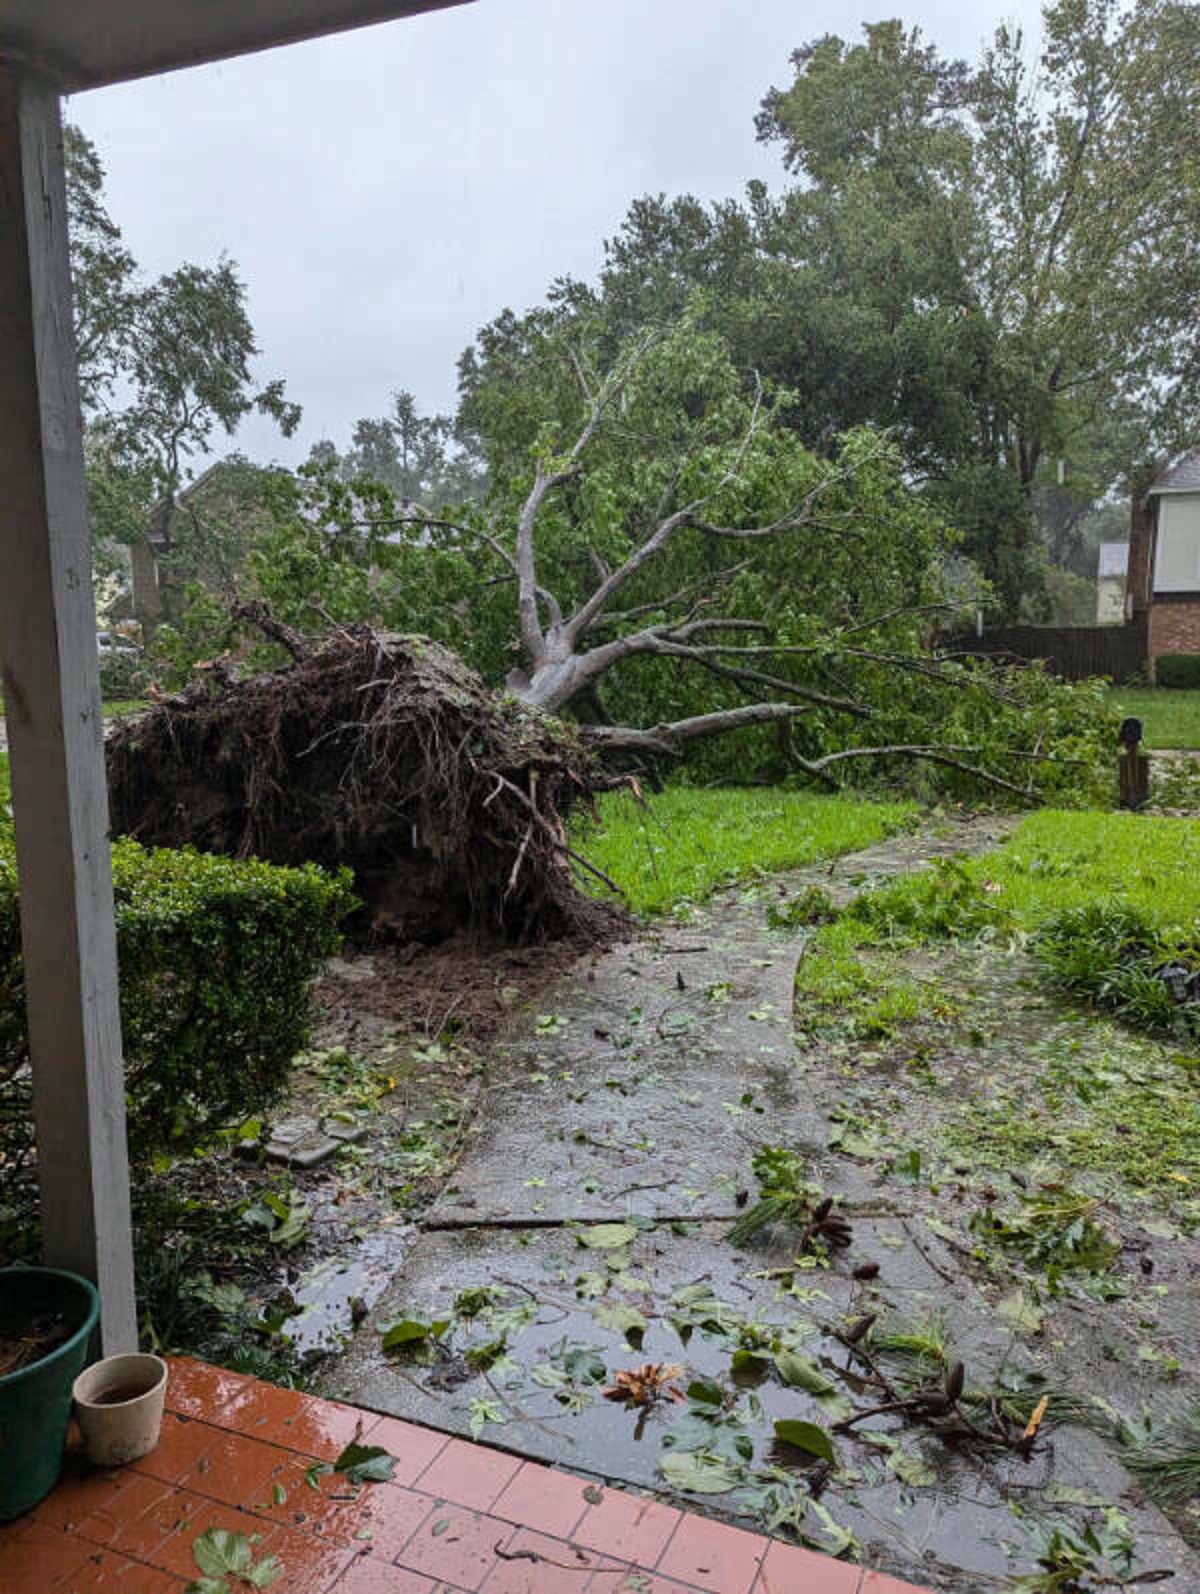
point(216, 957)
point(1178, 670)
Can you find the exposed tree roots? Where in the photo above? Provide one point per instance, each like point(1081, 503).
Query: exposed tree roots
point(381, 753)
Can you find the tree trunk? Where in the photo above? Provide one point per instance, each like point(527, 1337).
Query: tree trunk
point(145, 592)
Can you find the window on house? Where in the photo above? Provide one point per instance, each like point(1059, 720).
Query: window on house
point(1177, 565)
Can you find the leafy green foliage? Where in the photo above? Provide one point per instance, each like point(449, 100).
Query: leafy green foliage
point(222, 1555)
point(102, 271)
point(1166, 1457)
point(177, 351)
point(123, 676)
point(1178, 670)
point(365, 1464)
point(943, 267)
point(1054, 1231)
point(811, 905)
point(1054, 861)
point(974, 220)
point(1111, 901)
point(836, 600)
point(1119, 958)
point(1121, 1112)
point(1098, 1556)
point(947, 900)
point(413, 455)
point(806, 1436)
point(411, 1333)
point(185, 1310)
point(921, 1344)
point(787, 1194)
point(283, 1218)
point(216, 956)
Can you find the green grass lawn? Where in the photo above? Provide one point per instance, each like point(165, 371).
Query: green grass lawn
point(1069, 859)
point(1060, 859)
point(685, 843)
point(1171, 718)
point(1055, 859)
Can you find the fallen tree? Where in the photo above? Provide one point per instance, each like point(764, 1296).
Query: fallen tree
point(382, 753)
point(598, 582)
point(667, 529)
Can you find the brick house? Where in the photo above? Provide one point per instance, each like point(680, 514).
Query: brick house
point(1164, 560)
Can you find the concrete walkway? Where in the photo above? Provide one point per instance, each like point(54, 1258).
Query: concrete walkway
point(638, 1097)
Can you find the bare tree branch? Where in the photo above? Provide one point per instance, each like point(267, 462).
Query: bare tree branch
point(895, 614)
point(544, 481)
point(931, 754)
point(583, 618)
point(701, 588)
point(670, 739)
point(748, 678)
point(256, 613)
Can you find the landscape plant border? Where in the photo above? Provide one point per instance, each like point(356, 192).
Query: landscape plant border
point(216, 959)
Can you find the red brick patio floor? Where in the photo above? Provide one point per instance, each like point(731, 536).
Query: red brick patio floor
point(236, 1453)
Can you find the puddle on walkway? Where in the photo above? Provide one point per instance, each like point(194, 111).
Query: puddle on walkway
point(333, 1297)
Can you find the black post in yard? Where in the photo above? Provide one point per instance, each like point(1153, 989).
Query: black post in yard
point(1134, 766)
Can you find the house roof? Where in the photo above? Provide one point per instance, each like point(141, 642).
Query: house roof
point(81, 44)
point(1181, 477)
point(1114, 559)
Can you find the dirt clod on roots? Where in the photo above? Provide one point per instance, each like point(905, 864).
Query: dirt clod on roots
point(382, 753)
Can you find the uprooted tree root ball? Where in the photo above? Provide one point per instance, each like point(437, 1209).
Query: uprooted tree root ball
point(378, 752)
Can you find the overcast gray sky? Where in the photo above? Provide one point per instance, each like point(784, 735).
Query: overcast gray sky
point(386, 192)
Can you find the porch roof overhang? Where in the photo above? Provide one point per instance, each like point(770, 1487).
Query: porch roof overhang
point(82, 44)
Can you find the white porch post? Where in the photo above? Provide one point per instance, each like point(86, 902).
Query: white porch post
point(55, 730)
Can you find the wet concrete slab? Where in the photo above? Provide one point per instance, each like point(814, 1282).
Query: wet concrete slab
point(652, 1069)
point(637, 1096)
point(954, 1526)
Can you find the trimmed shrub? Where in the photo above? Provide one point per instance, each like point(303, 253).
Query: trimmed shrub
point(1178, 670)
point(216, 957)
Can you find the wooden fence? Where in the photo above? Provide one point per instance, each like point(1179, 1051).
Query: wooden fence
point(1074, 652)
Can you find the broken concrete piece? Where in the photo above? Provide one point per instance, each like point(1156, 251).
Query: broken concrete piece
point(302, 1142)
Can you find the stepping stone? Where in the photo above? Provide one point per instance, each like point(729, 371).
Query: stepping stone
point(303, 1142)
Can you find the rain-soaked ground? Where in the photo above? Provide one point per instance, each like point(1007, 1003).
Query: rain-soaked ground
point(584, 1234)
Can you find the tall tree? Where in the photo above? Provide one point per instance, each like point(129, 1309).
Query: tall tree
point(1037, 213)
point(164, 365)
point(187, 361)
point(416, 456)
point(102, 272)
point(666, 562)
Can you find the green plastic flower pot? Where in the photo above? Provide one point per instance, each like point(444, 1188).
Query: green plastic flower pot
point(35, 1400)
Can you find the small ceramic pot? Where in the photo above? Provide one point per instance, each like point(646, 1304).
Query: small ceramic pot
point(119, 1404)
